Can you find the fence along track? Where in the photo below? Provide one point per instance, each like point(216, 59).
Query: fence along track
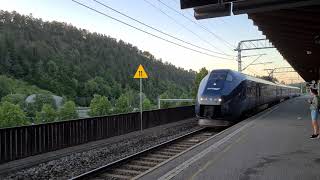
point(139, 163)
point(24, 141)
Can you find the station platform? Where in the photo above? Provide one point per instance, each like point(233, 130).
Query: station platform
point(273, 145)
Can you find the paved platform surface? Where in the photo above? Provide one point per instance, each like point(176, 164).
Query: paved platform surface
point(273, 145)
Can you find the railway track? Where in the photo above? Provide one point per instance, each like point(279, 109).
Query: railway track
point(136, 165)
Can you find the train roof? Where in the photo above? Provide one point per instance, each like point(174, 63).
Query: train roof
point(248, 77)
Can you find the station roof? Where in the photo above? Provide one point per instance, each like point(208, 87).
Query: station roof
point(293, 26)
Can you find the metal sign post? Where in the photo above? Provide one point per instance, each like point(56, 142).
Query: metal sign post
point(141, 103)
point(141, 74)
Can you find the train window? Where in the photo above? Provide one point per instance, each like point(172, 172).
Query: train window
point(218, 75)
point(229, 77)
point(215, 82)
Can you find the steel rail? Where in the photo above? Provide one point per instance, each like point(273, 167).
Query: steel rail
point(117, 163)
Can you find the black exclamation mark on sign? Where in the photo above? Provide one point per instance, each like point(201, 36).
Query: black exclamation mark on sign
point(140, 73)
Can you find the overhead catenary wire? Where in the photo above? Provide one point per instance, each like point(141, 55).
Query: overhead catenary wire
point(186, 28)
point(223, 21)
point(200, 25)
point(177, 2)
point(155, 29)
point(146, 32)
point(253, 71)
point(252, 62)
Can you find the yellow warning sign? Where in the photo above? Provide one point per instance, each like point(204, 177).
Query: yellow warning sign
point(141, 73)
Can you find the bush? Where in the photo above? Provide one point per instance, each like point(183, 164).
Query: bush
point(18, 99)
point(47, 114)
point(68, 111)
point(11, 115)
point(99, 106)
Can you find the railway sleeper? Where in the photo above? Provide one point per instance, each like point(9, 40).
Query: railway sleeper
point(152, 159)
point(171, 150)
point(202, 137)
point(180, 148)
point(194, 141)
point(167, 153)
point(183, 145)
point(143, 163)
point(208, 134)
point(115, 176)
point(126, 172)
point(159, 156)
point(136, 167)
point(188, 143)
point(176, 147)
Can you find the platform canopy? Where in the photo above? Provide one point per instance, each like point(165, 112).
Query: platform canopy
point(293, 26)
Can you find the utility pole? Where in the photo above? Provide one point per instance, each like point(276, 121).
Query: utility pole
point(253, 44)
point(239, 61)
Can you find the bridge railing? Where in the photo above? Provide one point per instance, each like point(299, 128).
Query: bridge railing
point(24, 141)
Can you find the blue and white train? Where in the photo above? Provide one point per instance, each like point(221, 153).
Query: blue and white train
point(224, 95)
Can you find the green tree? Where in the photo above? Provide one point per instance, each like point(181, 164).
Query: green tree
point(74, 62)
point(99, 106)
point(165, 104)
point(40, 99)
point(4, 87)
point(147, 105)
point(18, 99)
point(47, 114)
point(185, 96)
point(11, 115)
point(199, 76)
point(122, 104)
point(68, 111)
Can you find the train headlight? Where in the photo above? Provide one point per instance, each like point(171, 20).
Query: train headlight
point(219, 99)
point(203, 99)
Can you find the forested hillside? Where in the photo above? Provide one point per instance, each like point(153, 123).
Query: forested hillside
point(77, 64)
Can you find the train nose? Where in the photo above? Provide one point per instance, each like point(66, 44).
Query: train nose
point(211, 100)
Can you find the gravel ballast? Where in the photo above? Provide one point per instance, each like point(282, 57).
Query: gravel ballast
point(114, 148)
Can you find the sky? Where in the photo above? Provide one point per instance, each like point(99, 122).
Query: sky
point(229, 30)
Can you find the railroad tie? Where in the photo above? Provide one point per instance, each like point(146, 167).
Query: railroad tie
point(167, 153)
point(136, 167)
point(177, 148)
point(171, 150)
point(152, 159)
point(189, 143)
point(115, 176)
point(182, 145)
point(124, 171)
point(159, 156)
point(144, 163)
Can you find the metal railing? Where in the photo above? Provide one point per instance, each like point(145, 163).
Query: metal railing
point(173, 100)
point(24, 141)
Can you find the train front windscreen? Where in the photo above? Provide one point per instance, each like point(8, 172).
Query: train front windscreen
point(215, 82)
